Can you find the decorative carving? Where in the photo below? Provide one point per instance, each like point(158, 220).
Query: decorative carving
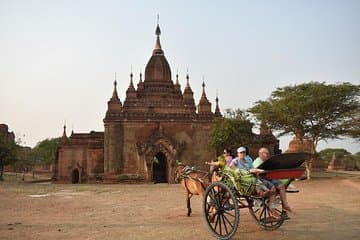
point(141, 147)
point(159, 141)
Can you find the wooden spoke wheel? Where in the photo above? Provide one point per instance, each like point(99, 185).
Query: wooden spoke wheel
point(221, 210)
point(259, 210)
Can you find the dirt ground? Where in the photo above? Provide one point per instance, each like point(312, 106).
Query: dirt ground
point(327, 207)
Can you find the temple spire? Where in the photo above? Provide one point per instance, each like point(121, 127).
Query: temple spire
point(158, 49)
point(114, 104)
point(188, 96)
point(64, 132)
point(177, 87)
point(203, 85)
point(187, 79)
point(131, 92)
point(64, 137)
point(177, 78)
point(217, 109)
point(131, 80)
point(187, 86)
point(115, 94)
point(204, 106)
point(140, 85)
point(203, 95)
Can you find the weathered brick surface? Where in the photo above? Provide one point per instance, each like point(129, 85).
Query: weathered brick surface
point(156, 119)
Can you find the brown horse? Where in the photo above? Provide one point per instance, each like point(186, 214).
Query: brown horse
point(194, 182)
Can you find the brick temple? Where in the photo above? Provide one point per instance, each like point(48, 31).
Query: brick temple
point(156, 125)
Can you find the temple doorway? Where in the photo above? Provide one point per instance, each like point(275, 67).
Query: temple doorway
point(75, 176)
point(160, 168)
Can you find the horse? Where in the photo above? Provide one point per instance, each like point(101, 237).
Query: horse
point(193, 181)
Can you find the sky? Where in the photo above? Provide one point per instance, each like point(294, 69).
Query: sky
point(58, 58)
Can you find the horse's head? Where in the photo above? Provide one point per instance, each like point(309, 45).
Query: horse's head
point(178, 171)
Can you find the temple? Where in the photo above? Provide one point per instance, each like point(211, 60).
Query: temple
point(155, 126)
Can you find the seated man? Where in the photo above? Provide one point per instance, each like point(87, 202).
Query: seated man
point(264, 155)
point(267, 188)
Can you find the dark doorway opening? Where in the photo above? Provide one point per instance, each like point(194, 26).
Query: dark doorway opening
point(160, 168)
point(75, 176)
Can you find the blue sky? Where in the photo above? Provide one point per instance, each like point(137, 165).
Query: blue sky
point(58, 58)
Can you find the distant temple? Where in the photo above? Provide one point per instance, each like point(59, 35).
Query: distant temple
point(8, 137)
point(295, 145)
point(157, 125)
point(336, 164)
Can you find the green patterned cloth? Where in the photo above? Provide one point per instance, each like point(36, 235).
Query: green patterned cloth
point(243, 181)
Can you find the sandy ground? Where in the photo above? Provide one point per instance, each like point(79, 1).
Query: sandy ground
point(326, 208)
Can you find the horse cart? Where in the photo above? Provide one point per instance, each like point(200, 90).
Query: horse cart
point(224, 198)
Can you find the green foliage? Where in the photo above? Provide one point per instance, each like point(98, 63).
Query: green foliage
point(350, 161)
point(23, 160)
point(353, 127)
point(340, 154)
point(8, 153)
point(44, 152)
point(233, 130)
point(357, 160)
point(316, 110)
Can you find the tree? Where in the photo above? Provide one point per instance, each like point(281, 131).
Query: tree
point(357, 160)
point(7, 154)
point(231, 131)
point(340, 154)
point(23, 160)
point(353, 127)
point(350, 161)
point(315, 111)
point(44, 151)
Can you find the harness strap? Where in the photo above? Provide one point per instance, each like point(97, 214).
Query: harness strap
point(201, 181)
point(188, 170)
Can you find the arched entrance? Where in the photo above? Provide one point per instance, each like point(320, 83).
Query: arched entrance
point(160, 168)
point(75, 176)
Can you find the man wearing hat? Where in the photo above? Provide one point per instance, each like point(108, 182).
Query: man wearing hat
point(242, 162)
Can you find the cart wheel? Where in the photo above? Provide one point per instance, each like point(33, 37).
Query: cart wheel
point(259, 210)
point(221, 210)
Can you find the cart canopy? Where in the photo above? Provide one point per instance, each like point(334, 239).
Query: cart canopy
point(285, 161)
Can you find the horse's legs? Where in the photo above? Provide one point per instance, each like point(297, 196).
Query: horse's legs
point(189, 195)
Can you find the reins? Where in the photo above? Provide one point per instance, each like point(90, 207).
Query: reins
point(186, 171)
